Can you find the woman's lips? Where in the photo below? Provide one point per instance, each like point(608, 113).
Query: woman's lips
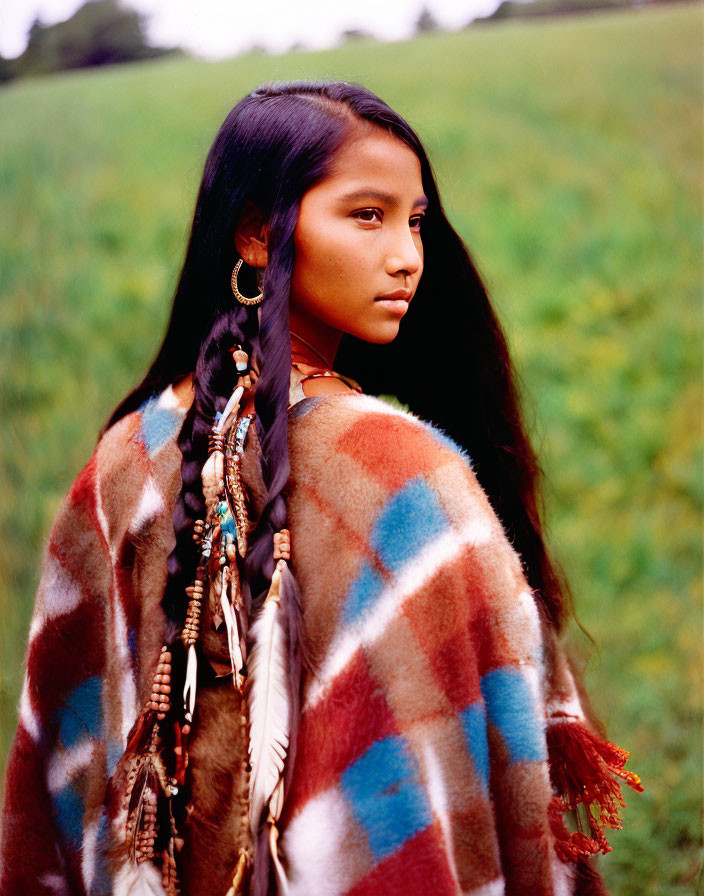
point(404, 294)
point(396, 306)
point(396, 301)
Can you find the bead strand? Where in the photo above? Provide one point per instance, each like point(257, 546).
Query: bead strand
point(216, 441)
point(234, 448)
point(148, 828)
point(198, 531)
point(282, 545)
point(160, 700)
point(169, 874)
point(195, 594)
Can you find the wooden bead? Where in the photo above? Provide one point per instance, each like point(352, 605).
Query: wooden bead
point(282, 545)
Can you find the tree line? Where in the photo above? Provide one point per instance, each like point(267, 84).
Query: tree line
point(101, 32)
point(104, 32)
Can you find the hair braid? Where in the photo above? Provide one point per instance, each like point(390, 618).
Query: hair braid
point(271, 400)
point(213, 383)
point(265, 334)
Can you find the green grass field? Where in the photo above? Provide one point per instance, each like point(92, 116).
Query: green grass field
point(569, 154)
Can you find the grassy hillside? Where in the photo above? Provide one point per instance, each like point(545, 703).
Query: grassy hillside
point(569, 155)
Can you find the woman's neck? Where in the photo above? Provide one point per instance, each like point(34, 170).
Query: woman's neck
point(313, 342)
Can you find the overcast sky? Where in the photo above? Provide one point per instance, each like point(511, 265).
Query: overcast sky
point(221, 28)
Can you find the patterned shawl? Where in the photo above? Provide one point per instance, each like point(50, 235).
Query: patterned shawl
point(442, 744)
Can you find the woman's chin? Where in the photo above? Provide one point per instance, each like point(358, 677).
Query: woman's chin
point(380, 335)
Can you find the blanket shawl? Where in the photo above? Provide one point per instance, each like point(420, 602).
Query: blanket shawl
point(442, 741)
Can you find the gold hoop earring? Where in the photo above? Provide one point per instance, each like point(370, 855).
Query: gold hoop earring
point(255, 300)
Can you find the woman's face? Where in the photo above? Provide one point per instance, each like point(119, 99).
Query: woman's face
point(358, 238)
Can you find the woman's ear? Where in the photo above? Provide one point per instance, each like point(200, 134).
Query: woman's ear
point(251, 236)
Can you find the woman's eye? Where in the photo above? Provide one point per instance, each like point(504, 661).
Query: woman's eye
point(369, 212)
point(368, 215)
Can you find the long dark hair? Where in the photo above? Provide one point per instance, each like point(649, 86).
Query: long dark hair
point(274, 145)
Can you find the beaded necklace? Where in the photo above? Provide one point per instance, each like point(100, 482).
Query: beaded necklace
point(317, 372)
point(311, 373)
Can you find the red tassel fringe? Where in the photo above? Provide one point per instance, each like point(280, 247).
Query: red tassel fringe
point(584, 770)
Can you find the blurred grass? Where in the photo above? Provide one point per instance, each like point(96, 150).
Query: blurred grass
point(569, 155)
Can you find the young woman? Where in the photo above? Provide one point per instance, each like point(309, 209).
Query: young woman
point(288, 637)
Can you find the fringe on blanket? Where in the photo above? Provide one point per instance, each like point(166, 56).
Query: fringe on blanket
point(585, 772)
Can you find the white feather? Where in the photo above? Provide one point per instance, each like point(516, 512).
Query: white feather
point(137, 880)
point(269, 705)
point(233, 635)
point(243, 621)
point(230, 408)
point(189, 689)
point(212, 477)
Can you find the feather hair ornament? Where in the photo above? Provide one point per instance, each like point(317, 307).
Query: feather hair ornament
point(264, 655)
point(230, 618)
point(269, 704)
point(218, 520)
point(149, 788)
point(154, 764)
point(234, 524)
point(138, 880)
point(273, 692)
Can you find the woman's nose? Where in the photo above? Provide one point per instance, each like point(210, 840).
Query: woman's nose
point(404, 255)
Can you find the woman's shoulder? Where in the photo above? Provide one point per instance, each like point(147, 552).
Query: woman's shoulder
point(133, 474)
point(370, 458)
point(144, 441)
point(379, 426)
